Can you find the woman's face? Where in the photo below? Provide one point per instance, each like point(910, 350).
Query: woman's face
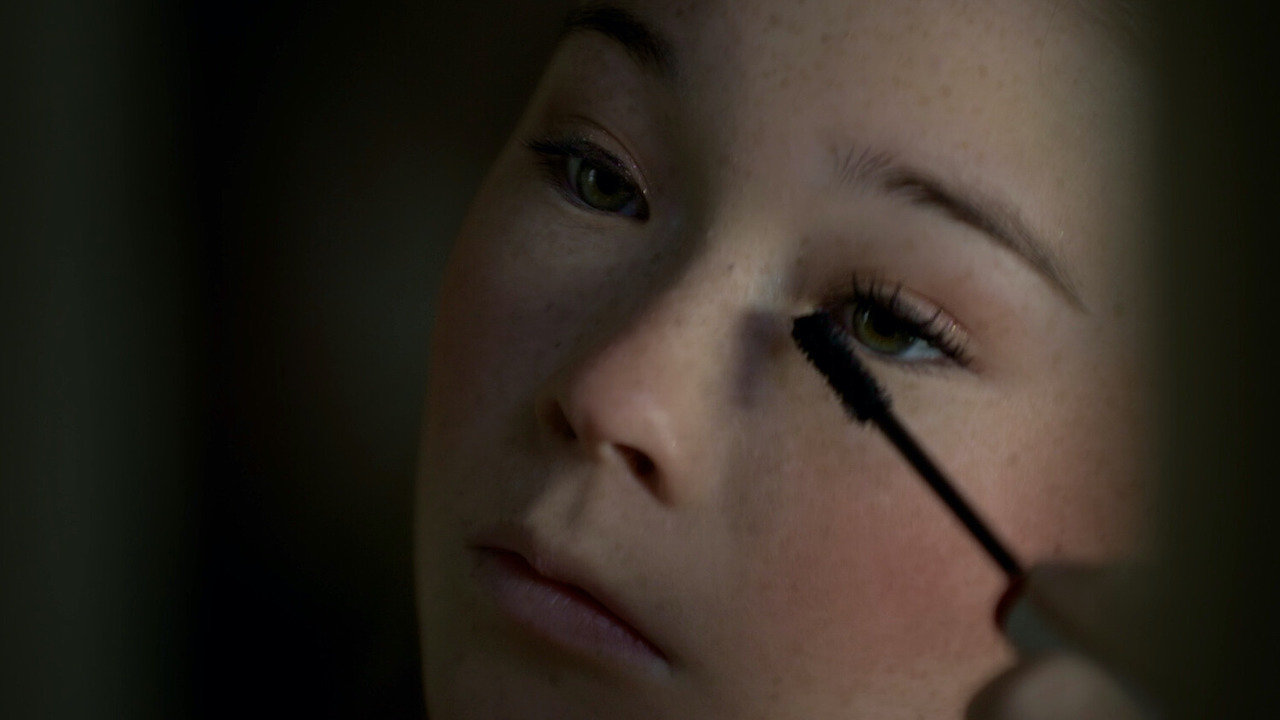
point(619, 425)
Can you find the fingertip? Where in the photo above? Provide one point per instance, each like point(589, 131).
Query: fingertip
point(1053, 686)
point(1029, 631)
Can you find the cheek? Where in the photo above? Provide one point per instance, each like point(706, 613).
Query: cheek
point(1077, 484)
point(1073, 451)
point(471, 348)
point(893, 578)
point(858, 574)
point(528, 279)
point(860, 582)
point(497, 318)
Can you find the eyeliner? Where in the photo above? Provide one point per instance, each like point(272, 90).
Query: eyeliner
point(823, 344)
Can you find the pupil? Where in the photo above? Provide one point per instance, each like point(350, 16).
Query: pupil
point(606, 182)
point(882, 326)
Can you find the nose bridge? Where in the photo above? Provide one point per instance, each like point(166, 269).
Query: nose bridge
point(643, 394)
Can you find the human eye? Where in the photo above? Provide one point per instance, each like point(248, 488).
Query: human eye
point(591, 177)
point(883, 321)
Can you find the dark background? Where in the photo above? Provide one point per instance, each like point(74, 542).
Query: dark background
point(222, 223)
point(224, 230)
point(336, 145)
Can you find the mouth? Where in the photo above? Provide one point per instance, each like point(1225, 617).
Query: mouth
point(560, 611)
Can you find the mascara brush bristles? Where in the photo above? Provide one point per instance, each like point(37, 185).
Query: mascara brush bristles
point(823, 343)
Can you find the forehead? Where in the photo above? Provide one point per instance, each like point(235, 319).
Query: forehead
point(1031, 99)
point(1045, 50)
point(1052, 58)
point(1117, 18)
point(800, 22)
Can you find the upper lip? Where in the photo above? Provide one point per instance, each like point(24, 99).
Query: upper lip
point(563, 568)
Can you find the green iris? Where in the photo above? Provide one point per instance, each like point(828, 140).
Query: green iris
point(602, 188)
point(881, 332)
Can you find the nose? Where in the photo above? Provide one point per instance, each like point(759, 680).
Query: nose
point(640, 398)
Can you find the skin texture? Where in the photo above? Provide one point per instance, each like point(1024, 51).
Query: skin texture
point(624, 391)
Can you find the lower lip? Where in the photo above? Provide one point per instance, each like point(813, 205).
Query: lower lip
point(560, 613)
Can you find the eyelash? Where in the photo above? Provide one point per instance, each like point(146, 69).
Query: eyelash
point(554, 154)
point(930, 325)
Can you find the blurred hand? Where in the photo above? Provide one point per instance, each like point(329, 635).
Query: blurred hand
point(1054, 686)
point(1057, 618)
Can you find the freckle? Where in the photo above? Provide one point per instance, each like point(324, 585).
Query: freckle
point(982, 71)
point(825, 38)
point(774, 20)
point(945, 91)
point(1118, 310)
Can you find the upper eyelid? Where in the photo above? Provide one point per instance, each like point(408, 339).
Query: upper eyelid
point(554, 150)
point(908, 308)
point(915, 311)
point(582, 129)
point(592, 151)
point(901, 299)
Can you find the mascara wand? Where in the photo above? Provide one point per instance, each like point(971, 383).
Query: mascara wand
point(822, 342)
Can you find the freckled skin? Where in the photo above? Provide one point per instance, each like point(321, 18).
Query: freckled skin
point(789, 563)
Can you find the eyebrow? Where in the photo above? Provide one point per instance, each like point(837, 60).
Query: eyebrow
point(651, 50)
point(861, 169)
point(998, 221)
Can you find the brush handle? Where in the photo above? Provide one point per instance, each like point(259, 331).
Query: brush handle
point(924, 465)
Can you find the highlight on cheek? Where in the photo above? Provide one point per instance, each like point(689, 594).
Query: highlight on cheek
point(591, 177)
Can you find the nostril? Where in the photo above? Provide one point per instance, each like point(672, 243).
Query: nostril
point(638, 462)
point(567, 431)
point(642, 465)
